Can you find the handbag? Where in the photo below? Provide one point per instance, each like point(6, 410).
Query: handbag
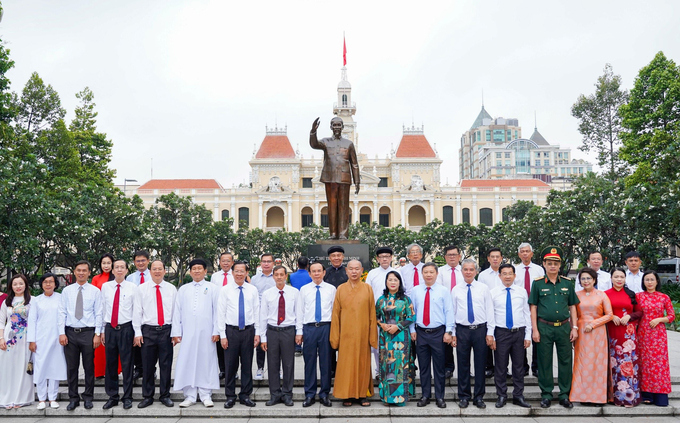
point(29, 366)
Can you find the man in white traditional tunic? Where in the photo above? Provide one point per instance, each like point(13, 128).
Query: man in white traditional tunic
point(194, 324)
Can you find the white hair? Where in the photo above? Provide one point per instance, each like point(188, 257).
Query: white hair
point(524, 245)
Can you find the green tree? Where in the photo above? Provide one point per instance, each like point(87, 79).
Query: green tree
point(38, 108)
point(600, 122)
point(6, 109)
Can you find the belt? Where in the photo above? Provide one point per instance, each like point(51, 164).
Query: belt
point(317, 324)
point(279, 328)
point(78, 330)
point(512, 330)
point(555, 324)
point(472, 327)
point(237, 328)
point(156, 327)
point(430, 330)
point(119, 327)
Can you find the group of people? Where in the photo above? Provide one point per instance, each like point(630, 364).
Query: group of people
point(419, 313)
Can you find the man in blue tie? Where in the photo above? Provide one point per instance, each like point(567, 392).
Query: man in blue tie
point(314, 309)
point(238, 320)
point(512, 335)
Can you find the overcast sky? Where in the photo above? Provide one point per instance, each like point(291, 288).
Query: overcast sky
point(192, 84)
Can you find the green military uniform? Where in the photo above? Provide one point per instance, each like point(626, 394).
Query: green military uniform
point(552, 303)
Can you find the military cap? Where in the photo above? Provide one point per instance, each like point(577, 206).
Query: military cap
point(384, 250)
point(552, 253)
point(336, 249)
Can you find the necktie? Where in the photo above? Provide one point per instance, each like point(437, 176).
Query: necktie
point(116, 306)
point(471, 311)
point(453, 278)
point(159, 306)
point(241, 310)
point(224, 282)
point(416, 279)
point(527, 280)
point(508, 310)
point(426, 308)
point(141, 278)
point(79, 303)
point(282, 309)
point(317, 310)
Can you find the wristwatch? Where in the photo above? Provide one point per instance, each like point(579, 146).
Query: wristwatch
point(450, 333)
point(575, 327)
point(97, 334)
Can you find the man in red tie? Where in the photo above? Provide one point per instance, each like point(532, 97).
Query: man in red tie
point(222, 278)
point(152, 318)
point(449, 276)
point(141, 258)
point(277, 336)
point(525, 274)
point(118, 302)
point(411, 273)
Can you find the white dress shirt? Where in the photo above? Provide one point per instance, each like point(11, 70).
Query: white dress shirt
point(263, 282)
point(126, 301)
point(305, 308)
point(535, 272)
point(407, 273)
point(521, 314)
point(228, 303)
point(634, 281)
point(137, 276)
point(444, 276)
point(218, 278)
point(92, 308)
point(376, 278)
point(269, 309)
point(441, 310)
point(145, 311)
point(490, 278)
point(482, 306)
point(604, 281)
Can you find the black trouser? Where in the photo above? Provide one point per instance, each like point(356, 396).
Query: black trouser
point(430, 350)
point(157, 347)
point(79, 343)
point(316, 344)
point(509, 345)
point(489, 359)
point(281, 353)
point(240, 349)
point(137, 359)
point(220, 356)
point(261, 356)
point(119, 344)
point(471, 340)
point(534, 366)
point(448, 356)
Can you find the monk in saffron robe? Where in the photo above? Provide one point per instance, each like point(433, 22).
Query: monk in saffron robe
point(353, 332)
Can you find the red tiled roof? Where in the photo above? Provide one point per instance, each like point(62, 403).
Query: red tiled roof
point(275, 147)
point(181, 184)
point(414, 146)
point(467, 183)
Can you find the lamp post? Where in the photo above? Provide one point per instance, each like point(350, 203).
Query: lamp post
point(125, 181)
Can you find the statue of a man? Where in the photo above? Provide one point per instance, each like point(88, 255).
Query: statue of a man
point(340, 168)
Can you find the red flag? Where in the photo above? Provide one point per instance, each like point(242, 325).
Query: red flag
point(344, 52)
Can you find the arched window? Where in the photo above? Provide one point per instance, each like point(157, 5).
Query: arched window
point(486, 216)
point(344, 99)
point(384, 216)
point(307, 217)
point(324, 217)
point(466, 215)
point(365, 215)
point(447, 215)
point(225, 214)
point(243, 217)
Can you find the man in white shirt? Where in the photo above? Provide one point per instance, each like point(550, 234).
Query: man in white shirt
point(634, 273)
point(238, 322)
point(277, 334)
point(604, 280)
point(412, 272)
point(263, 281)
point(118, 298)
point(314, 309)
point(526, 272)
point(449, 276)
point(141, 275)
point(152, 322)
point(221, 278)
point(490, 277)
point(474, 329)
point(376, 278)
point(512, 335)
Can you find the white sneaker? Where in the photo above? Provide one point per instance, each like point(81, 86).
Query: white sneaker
point(259, 375)
point(54, 404)
point(41, 405)
point(186, 403)
point(208, 402)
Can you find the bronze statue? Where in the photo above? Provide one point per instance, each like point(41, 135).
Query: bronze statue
point(340, 167)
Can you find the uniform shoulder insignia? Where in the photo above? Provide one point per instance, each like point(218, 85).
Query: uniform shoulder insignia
point(539, 278)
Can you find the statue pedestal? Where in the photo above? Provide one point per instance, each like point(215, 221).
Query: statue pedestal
point(354, 250)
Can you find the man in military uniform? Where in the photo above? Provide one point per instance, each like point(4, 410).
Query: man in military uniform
point(553, 304)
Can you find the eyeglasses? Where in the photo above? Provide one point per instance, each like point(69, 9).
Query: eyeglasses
point(452, 255)
point(587, 278)
point(266, 261)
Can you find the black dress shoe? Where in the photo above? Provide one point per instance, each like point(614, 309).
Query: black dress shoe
point(230, 403)
point(273, 401)
point(441, 403)
point(545, 403)
point(463, 403)
point(146, 402)
point(566, 403)
point(521, 402)
point(501, 401)
point(127, 404)
point(423, 402)
point(479, 403)
point(247, 402)
point(109, 404)
point(325, 401)
point(221, 375)
point(288, 402)
point(72, 405)
point(308, 402)
point(488, 373)
point(88, 405)
point(448, 374)
point(167, 402)
point(137, 374)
